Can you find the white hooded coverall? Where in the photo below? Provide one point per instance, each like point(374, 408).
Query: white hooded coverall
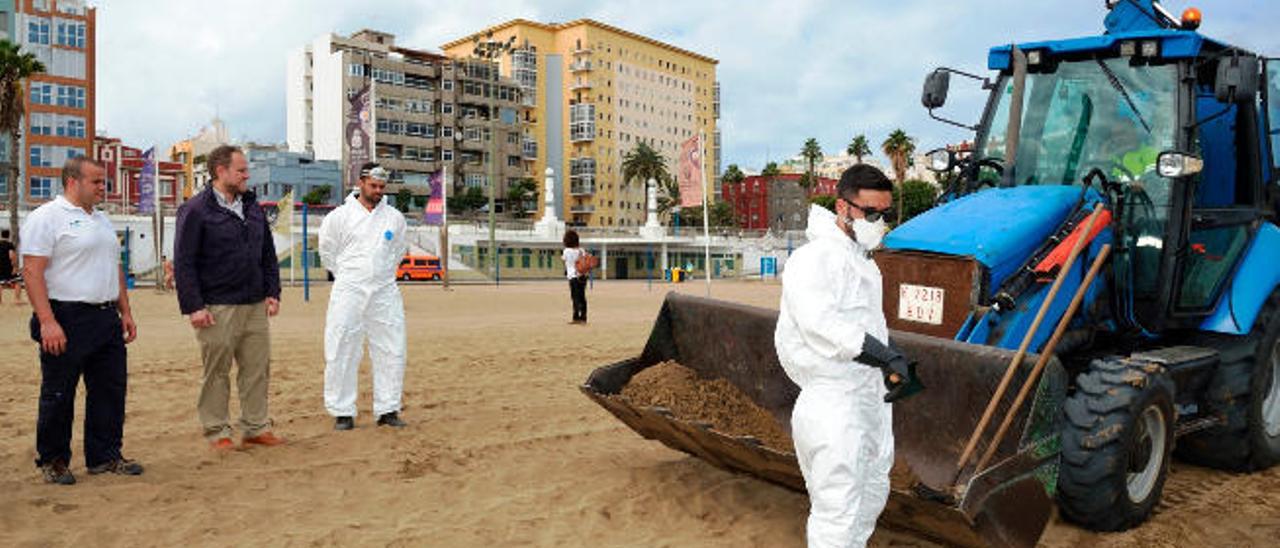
point(363, 248)
point(843, 429)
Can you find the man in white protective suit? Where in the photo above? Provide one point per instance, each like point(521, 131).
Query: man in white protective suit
point(362, 243)
point(833, 342)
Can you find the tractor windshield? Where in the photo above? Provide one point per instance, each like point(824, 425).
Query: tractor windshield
point(1095, 113)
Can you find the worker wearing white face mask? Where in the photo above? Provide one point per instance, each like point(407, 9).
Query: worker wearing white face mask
point(833, 342)
point(362, 243)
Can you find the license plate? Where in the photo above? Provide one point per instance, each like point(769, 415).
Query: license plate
point(921, 304)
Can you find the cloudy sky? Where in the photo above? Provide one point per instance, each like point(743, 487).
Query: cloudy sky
point(789, 69)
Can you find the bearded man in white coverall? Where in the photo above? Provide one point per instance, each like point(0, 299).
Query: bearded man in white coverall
point(833, 342)
point(362, 243)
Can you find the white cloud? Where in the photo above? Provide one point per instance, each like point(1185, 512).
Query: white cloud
point(790, 69)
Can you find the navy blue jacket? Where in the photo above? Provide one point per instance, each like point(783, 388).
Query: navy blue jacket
point(219, 258)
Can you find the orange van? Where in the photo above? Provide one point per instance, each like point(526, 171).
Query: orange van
point(419, 267)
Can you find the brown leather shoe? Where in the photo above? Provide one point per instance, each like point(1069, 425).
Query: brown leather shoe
point(222, 444)
point(268, 439)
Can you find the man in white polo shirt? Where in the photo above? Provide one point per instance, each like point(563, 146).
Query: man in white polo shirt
point(81, 321)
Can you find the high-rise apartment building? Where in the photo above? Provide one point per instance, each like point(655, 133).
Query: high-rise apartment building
point(596, 91)
point(429, 111)
point(60, 101)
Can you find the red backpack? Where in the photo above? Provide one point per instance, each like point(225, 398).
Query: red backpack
point(586, 263)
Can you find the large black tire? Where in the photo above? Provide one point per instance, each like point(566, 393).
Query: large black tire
point(1116, 441)
point(1244, 391)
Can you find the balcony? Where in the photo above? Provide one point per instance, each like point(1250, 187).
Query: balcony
point(582, 189)
point(584, 209)
point(580, 84)
point(529, 149)
point(580, 66)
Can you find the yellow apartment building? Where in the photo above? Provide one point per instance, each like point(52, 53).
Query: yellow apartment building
point(596, 91)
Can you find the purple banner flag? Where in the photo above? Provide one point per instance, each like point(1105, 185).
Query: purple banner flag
point(433, 214)
point(147, 182)
point(359, 134)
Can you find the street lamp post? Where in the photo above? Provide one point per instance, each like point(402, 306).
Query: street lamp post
point(490, 50)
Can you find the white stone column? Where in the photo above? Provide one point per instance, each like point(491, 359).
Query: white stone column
point(549, 226)
point(652, 230)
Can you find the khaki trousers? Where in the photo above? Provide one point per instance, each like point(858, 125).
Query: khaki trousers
point(240, 333)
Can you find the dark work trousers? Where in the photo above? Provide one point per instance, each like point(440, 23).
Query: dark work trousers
point(95, 349)
point(578, 292)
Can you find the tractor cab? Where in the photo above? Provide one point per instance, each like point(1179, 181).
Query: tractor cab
point(1173, 130)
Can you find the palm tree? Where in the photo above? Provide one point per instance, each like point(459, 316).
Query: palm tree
point(812, 154)
point(644, 163)
point(732, 175)
point(15, 66)
point(668, 195)
point(859, 148)
point(899, 147)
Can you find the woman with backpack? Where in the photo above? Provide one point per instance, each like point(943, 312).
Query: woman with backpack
point(577, 265)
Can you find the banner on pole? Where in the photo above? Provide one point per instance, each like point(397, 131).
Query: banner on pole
point(359, 134)
point(147, 182)
point(433, 214)
point(689, 172)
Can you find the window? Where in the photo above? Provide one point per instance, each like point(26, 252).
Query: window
point(582, 124)
point(70, 33)
point(40, 158)
point(446, 132)
point(42, 187)
point(356, 69)
point(446, 85)
point(66, 6)
point(446, 155)
point(476, 180)
point(41, 94)
point(69, 63)
point(446, 108)
point(513, 161)
point(38, 31)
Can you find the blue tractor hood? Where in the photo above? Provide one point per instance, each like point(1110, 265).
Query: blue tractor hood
point(1000, 227)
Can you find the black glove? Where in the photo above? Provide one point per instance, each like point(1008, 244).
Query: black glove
point(899, 371)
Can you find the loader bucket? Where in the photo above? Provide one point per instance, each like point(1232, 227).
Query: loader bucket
point(1007, 504)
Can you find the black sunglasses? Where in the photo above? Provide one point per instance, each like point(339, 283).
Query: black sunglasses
point(872, 214)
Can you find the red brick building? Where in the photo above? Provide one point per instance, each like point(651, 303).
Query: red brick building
point(60, 120)
point(777, 202)
point(124, 165)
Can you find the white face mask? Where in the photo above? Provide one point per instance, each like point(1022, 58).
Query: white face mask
point(868, 234)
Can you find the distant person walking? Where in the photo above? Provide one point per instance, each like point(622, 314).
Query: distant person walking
point(228, 282)
point(82, 322)
point(577, 280)
point(361, 243)
point(9, 272)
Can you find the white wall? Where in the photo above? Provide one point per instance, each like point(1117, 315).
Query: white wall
point(328, 99)
point(296, 112)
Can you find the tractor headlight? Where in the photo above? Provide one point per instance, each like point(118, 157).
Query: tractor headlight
point(1150, 48)
point(1035, 57)
point(1176, 164)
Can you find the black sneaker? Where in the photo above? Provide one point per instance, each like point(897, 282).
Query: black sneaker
point(57, 472)
point(344, 423)
point(121, 466)
point(391, 419)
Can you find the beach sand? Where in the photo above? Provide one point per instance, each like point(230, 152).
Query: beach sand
point(502, 448)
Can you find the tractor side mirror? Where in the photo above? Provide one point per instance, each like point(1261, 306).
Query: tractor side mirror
point(940, 160)
point(1237, 79)
point(935, 89)
point(1172, 164)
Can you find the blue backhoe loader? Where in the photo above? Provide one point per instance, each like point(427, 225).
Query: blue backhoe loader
point(1097, 292)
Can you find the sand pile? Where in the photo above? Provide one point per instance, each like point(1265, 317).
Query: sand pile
point(713, 401)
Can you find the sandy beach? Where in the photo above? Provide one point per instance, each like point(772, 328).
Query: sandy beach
point(502, 449)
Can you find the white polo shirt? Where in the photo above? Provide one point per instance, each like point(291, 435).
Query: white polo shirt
point(83, 252)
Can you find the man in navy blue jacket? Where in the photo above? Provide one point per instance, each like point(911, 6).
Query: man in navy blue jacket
point(228, 282)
